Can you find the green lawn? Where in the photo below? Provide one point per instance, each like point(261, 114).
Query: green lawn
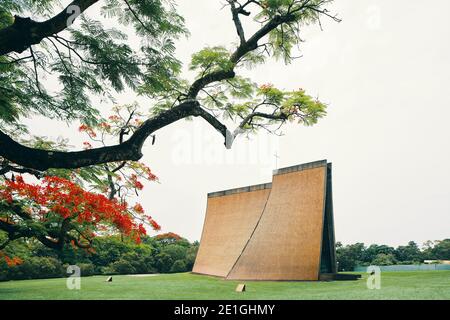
point(394, 285)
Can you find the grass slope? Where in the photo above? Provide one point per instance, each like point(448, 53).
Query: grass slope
point(394, 285)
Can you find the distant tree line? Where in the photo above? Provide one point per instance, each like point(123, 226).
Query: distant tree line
point(164, 253)
point(350, 256)
point(170, 253)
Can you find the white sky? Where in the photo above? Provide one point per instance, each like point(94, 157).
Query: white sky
point(384, 71)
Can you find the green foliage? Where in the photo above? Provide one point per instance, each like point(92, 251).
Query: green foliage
point(349, 256)
point(161, 74)
point(283, 39)
point(13, 91)
point(93, 62)
point(353, 255)
point(410, 252)
point(241, 88)
point(122, 266)
point(111, 256)
point(175, 251)
point(191, 254)
point(89, 60)
point(271, 94)
point(211, 59)
point(439, 250)
point(178, 266)
point(282, 42)
point(6, 18)
point(21, 248)
point(239, 97)
point(112, 59)
point(311, 108)
point(286, 105)
point(163, 262)
point(252, 59)
point(86, 269)
point(150, 18)
point(33, 268)
point(383, 259)
point(34, 6)
point(371, 252)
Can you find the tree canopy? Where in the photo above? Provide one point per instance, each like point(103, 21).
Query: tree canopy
point(62, 61)
point(357, 254)
point(90, 60)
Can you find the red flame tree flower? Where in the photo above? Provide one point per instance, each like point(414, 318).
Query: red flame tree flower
point(58, 211)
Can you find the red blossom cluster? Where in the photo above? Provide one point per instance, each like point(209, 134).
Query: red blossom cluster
point(88, 130)
point(154, 224)
point(87, 145)
point(149, 175)
point(105, 126)
point(138, 208)
point(64, 198)
point(266, 86)
point(169, 236)
point(114, 118)
point(135, 182)
point(11, 262)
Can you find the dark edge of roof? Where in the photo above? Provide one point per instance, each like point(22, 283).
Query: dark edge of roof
point(256, 187)
point(301, 167)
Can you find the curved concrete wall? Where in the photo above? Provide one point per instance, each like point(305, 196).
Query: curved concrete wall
point(286, 244)
point(231, 217)
point(272, 231)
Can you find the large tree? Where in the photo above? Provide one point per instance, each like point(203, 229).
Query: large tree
point(43, 43)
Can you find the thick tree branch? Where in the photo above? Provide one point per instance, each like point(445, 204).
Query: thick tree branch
point(202, 82)
point(25, 32)
point(41, 160)
point(244, 48)
point(77, 243)
point(231, 136)
point(8, 168)
point(7, 227)
point(112, 187)
point(251, 116)
point(237, 21)
point(15, 231)
point(212, 120)
point(131, 149)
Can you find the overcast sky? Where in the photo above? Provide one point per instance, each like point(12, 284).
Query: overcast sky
point(384, 71)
